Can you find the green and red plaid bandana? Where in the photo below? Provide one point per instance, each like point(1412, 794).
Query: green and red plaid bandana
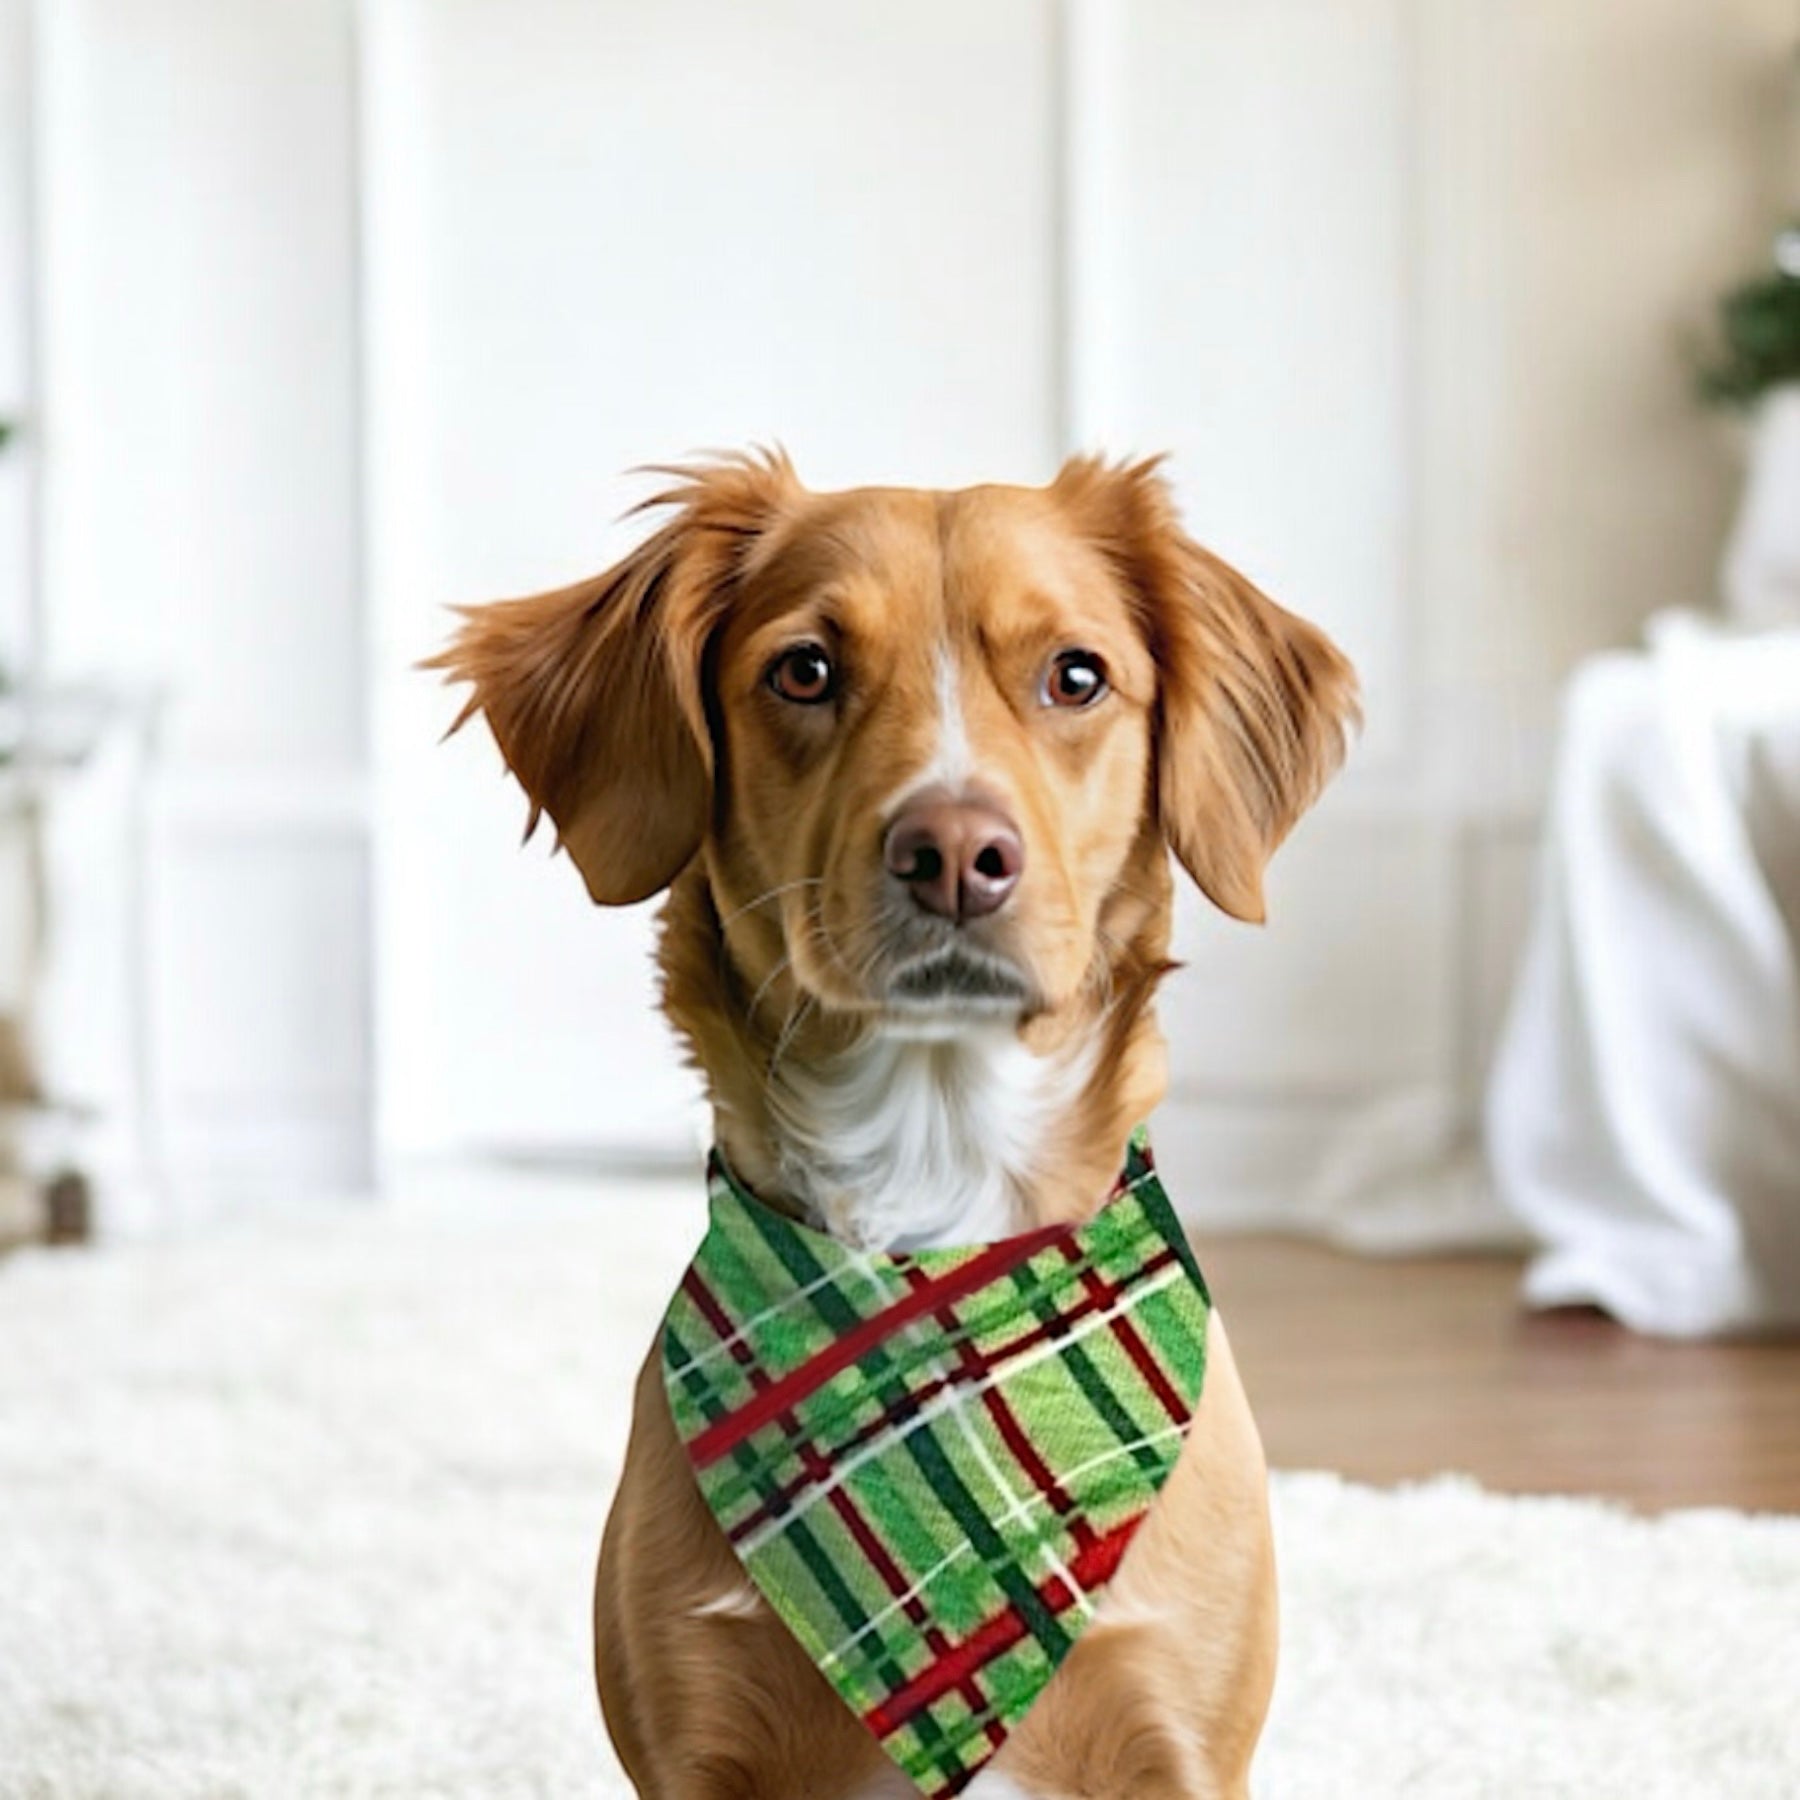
point(932, 1464)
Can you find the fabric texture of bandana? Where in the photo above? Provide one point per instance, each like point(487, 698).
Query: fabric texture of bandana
point(932, 1464)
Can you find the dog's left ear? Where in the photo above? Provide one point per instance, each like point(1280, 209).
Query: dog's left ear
point(1255, 707)
point(594, 692)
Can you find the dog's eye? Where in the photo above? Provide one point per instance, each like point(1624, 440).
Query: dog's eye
point(803, 675)
point(1076, 678)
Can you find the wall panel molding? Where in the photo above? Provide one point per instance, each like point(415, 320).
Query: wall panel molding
point(197, 192)
point(1088, 78)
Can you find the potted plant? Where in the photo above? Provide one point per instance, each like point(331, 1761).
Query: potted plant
point(1756, 370)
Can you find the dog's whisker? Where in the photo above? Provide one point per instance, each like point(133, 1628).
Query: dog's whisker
point(768, 981)
point(816, 919)
point(774, 893)
point(762, 899)
point(796, 1018)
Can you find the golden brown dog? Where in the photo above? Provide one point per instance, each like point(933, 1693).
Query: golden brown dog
point(909, 765)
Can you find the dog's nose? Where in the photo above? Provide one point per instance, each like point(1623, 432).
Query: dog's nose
point(960, 858)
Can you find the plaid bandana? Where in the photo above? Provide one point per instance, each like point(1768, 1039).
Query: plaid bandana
point(931, 1464)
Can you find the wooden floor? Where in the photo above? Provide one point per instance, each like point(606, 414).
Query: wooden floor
point(1387, 1370)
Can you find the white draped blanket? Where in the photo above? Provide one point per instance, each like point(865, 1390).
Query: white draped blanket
point(1644, 1117)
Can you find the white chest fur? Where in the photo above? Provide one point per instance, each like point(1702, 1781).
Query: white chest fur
point(914, 1142)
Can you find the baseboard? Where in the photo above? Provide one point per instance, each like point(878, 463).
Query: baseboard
point(1243, 1165)
point(217, 1161)
point(1385, 1174)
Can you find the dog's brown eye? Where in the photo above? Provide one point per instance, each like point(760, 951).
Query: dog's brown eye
point(1076, 678)
point(803, 675)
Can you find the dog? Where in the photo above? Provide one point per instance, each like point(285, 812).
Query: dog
point(909, 766)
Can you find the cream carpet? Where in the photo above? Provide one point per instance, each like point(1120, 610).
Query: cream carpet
point(312, 1511)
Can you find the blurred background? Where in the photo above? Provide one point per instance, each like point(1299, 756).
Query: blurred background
point(317, 316)
point(1474, 331)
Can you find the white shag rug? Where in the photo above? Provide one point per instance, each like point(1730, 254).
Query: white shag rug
point(313, 1510)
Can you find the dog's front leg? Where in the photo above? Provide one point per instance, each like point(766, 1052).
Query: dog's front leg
point(706, 1694)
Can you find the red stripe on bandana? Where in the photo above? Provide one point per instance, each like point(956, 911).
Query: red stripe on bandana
point(842, 1504)
point(976, 1366)
point(723, 1434)
point(1092, 1567)
point(1006, 1422)
point(1134, 1346)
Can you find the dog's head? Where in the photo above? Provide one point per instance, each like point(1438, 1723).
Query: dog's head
point(929, 746)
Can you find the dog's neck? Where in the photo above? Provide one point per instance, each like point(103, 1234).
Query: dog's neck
point(904, 1141)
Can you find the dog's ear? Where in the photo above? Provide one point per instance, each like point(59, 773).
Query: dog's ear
point(594, 692)
point(1255, 707)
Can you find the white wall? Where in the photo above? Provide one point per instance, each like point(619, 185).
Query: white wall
point(16, 360)
point(201, 503)
point(589, 247)
point(1510, 220)
point(1404, 286)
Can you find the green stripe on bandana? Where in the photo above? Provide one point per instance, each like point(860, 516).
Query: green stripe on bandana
point(932, 1464)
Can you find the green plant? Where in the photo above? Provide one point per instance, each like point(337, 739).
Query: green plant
point(1759, 332)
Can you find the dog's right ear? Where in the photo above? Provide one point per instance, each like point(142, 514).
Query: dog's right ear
point(593, 692)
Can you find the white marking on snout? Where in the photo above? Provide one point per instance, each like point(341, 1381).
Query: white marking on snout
point(955, 761)
point(952, 763)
